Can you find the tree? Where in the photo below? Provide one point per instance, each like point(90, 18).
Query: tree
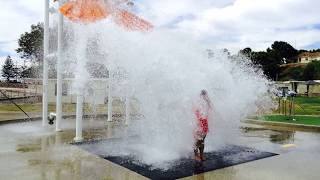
point(314, 50)
point(296, 73)
point(285, 50)
point(246, 52)
point(312, 71)
point(302, 51)
point(269, 61)
point(8, 69)
point(226, 51)
point(30, 44)
point(97, 70)
point(28, 72)
point(17, 72)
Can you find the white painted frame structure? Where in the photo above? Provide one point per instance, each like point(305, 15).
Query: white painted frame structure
point(45, 64)
point(45, 67)
point(80, 98)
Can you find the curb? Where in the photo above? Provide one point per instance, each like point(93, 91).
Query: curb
point(290, 125)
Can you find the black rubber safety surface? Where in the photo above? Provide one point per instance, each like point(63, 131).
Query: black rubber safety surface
point(226, 156)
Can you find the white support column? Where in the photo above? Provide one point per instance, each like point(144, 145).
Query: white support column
point(45, 64)
point(59, 72)
point(79, 116)
point(110, 96)
point(127, 110)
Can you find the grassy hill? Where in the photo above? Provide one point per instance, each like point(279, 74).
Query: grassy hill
point(292, 72)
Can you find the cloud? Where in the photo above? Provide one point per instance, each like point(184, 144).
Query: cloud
point(16, 18)
point(241, 23)
point(232, 24)
point(164, 12)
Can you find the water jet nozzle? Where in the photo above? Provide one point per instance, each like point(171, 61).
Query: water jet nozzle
point(51, 118)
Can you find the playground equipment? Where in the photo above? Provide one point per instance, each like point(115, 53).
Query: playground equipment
point(83, 11)
point(51, 118)
point(286, 103)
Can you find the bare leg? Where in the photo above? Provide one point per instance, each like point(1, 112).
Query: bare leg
point(195, 150)
point(201, 149)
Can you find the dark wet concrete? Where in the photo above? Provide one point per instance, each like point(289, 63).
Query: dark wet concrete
point(226, 156)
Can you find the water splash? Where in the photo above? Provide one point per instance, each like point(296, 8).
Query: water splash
point(167, 71)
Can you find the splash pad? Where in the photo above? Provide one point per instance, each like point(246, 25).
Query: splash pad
point(225, 156)
point(164, 72)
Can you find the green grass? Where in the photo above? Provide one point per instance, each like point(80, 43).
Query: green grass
point(307, 112)
point(26, 107)
point(308, 100)
point(306, 106)
point(37, 107)
point(118, 107)
point(293, 71)
point(305, 120)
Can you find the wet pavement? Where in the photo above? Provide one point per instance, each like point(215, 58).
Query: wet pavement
point(28, 151)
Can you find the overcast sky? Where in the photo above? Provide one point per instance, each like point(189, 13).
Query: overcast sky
point(232, 24)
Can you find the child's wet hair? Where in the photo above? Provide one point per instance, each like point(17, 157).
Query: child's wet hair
point(203, 92)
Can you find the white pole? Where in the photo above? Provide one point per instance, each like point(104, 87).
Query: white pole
point(59, 73)
point(45, 64)
point(110, 96)
point(127, 101)
point(79, 116)
point(127, 110)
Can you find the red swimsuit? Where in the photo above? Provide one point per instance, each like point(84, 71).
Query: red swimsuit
point(202, 127)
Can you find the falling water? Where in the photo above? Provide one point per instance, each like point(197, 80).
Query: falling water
point(167, 70)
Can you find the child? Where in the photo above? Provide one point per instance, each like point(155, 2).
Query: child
point(201, 111)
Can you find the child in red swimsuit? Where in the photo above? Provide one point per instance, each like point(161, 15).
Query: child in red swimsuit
point(201, 114)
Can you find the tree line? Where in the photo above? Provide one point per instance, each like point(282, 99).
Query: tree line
point(12, 72)
point(280, 53)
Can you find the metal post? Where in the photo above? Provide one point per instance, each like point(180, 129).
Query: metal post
point(279, 105)
point(59, 73)
point(45, 64)
point(110, 97)
point(293, 109)
point(291, 106)
point(79, 115)
point(285, 107)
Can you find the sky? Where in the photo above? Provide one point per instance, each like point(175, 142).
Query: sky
point(232, 24)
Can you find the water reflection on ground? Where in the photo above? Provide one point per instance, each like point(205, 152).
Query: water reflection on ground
point(275, 136)
point(27, 151)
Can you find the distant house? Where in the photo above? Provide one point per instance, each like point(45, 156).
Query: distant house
point(307, 57)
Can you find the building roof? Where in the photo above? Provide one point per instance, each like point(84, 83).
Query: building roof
point(309, 54)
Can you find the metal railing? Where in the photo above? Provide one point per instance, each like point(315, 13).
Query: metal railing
point(10, 99)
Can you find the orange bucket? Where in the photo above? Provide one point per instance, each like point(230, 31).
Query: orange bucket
point(131, 21)
point(84, 10)
point(93, 10)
